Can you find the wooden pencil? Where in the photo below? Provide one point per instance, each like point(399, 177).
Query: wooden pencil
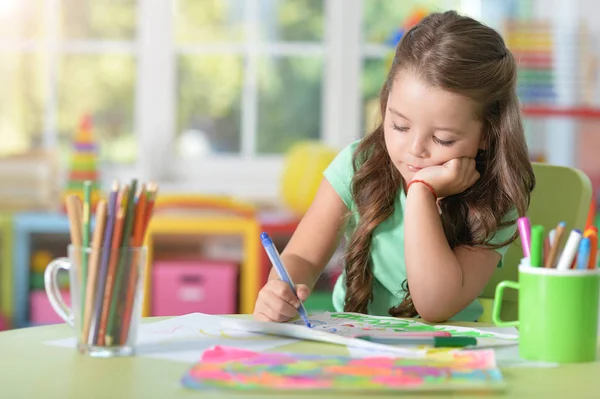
point(94, 261)
point(75, 215)
point(152, 190)
point(124, 256)
point(113, 205)
point(137, 241)
point(87, 194)
point(112, 266)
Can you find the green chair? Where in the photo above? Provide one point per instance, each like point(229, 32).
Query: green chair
point(560, 194)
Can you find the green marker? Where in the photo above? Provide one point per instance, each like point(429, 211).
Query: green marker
point(537, 245)
point(436, 342)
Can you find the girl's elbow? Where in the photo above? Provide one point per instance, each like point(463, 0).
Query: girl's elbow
point(433, 317)
point(432, 313)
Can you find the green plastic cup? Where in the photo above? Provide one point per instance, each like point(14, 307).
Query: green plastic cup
point(558, 313)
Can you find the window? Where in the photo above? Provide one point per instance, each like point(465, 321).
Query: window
point(197, 94)
point(64, 59)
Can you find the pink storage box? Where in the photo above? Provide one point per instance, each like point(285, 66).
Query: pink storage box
point(40, 310)
point(188, 286)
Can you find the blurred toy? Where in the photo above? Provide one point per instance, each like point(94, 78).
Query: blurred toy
point(83, 163)
point(413, 18)
point(303, 172)
point(39, 260)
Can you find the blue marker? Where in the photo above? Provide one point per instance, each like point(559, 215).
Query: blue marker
point(583, 257)
point(283, 274)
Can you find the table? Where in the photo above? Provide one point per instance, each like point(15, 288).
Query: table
point(30, 369)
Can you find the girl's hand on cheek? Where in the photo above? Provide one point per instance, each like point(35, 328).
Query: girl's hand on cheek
point(452, 177)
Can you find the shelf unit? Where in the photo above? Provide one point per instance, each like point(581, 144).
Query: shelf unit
point(539, 111)
point(246, 227)
point(6, 266)
point(25, 225)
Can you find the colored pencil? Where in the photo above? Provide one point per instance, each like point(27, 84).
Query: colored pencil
point(94, 262)
point(87, 194)
point(75, 215)
point(137, 241)
point(551, 261)
point(112, 265)
point(103, 270)
point(113, 321)
point(152, 189)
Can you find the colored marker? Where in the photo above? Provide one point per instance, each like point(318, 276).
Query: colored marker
point(537, 245)
point(403, 334)
point(282, 272)
point(436, 342)
point(583, 256)
point(551, 260)
point(525, 233)
point(592, 233)
point(564, 263)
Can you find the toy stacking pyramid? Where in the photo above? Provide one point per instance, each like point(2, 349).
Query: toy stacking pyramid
point(83, 164)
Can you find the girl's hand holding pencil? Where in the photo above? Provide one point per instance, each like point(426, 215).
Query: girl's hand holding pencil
point(106, 264)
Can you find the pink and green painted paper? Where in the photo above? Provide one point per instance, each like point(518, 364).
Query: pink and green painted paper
point(234, 369)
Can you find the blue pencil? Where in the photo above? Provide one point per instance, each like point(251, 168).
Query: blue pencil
point(110, 222)
point(283, 274)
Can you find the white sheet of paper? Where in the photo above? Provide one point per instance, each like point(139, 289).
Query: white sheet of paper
point(184, 338)
point(310, 334)
point(342, 328)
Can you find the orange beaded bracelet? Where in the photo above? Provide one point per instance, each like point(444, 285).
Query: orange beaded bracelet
point(429, 187)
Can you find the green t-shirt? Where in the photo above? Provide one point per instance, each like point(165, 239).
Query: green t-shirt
point(387, 245)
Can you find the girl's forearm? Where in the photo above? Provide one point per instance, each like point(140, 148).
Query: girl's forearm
point(433, 272)
point(300, 270)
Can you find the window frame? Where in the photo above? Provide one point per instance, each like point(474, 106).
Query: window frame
point(247, 175)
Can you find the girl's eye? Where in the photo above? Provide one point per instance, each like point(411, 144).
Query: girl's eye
point(443, 142)
point(399, 128)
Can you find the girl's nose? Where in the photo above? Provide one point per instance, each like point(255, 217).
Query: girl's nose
point(418, 148)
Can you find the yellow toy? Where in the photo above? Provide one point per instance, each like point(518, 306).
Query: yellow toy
point(39, 260)
point(303, 172)
point(413, 18)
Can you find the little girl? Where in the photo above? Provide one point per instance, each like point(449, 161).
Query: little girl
point(428, 200)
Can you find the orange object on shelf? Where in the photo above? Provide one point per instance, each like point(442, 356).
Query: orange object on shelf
point(575, 112)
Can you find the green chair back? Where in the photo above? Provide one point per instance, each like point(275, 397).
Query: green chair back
point(560, 194)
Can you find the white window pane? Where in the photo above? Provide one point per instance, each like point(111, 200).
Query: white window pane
point(382, 18)
point(292, 20)
point(98, 19)
point(21, 19)
point(289, 101)
point(21, 110)
point(104, 87)
point(209, 104)
point(206, 21)
point(373, 77)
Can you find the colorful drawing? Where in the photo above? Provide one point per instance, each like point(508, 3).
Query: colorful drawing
point(242, 370)
point(353, 324)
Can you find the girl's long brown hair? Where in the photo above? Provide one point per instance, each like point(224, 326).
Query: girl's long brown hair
point(461, 55)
